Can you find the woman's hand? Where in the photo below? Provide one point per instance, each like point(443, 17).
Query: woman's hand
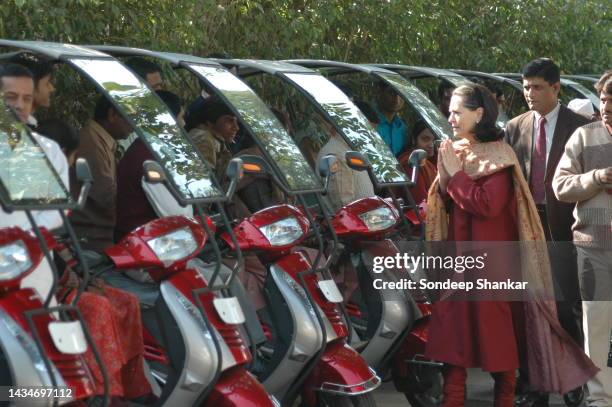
point(449, 159)
point(444, 177)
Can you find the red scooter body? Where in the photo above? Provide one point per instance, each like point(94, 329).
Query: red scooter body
point(340, 370)
point(235, 387)
point(15, 302)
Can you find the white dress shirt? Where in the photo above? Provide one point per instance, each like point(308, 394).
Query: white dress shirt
point(549, 127)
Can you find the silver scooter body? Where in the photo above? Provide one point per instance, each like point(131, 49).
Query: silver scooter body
point(25, 362)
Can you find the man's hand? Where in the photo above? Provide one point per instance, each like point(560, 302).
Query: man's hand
point(604, 175)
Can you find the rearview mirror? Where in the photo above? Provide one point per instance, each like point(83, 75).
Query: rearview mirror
point(153, 172)
point(415, 159)
point(83, 175)
point(234, 172)
point(357, 161)
point(327, 166)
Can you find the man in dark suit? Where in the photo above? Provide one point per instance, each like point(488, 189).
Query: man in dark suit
point(538, 138)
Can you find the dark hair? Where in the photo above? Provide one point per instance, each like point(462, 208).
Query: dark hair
point(202, 111)
point(543, 68)
point(172, 100)
point(103, 105)
point(142, 67)
point(64, 134)
point(496, 90)
point(15, 70)
point(443, 86)
point(367, 111)
point(604, 84)
point(418, 127)
point(475, 96)
point(40, 67)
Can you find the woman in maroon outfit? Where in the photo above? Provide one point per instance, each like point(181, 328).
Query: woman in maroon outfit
point(487, 199)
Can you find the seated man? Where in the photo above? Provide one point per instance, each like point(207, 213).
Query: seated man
point(149, 71)
point(133, 205)
point(212, 127)
point(98, 146)
point(391, 127)
point(42, 73)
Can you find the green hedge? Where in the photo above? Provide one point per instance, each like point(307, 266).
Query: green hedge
point(494, 35)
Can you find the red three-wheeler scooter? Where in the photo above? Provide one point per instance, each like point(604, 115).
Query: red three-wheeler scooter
point(194, 340)
point(42, 344)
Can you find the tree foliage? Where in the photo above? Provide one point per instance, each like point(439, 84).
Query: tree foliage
point(493, 35)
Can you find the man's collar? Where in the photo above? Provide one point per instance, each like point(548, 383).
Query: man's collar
point(32, 122)
point(103, 134)
point(550, 116)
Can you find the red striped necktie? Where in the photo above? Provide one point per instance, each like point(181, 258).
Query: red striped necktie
point(538, 165)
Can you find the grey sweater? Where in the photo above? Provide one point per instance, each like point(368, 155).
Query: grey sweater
point(587, 150)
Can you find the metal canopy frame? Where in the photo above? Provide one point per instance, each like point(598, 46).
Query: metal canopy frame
point(184, 61)
point(249, 67)
point(420, 71)
point(497, 78)
point(336, 67)
point(65, 53)
point(171, 57)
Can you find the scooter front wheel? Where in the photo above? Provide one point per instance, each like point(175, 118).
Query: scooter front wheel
point(362, 400)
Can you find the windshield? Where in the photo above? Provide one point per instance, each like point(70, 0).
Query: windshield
point(353, 124)
point(264, 125)
point(421, 103)
point(189, 173)
point(25, 172)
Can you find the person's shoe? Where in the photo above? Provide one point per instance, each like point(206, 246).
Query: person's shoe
point(532, 399)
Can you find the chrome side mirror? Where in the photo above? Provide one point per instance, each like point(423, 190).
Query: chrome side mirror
point(234, 172)
point(83, 175)
point(327, 166)
point(415, 159)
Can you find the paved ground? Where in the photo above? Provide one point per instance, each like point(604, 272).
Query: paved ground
point(480, 393)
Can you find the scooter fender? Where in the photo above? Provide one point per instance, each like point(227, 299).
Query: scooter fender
point(397, 313)
point(22, 356)
point(238, 388)
point(340, 371)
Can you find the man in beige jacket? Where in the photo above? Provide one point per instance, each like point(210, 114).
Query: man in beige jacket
point(584, 177)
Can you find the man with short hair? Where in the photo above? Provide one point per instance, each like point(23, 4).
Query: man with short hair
point(212, 127)
point(18, 91)
point(98, 146)
point(42, 71)
point(149, 71)
point(391, 127)
point(584, 177)
point(538, 138)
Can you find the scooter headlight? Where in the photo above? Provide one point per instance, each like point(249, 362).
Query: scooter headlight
point(14, 260)
point(379, 219)
point(173, 246)
point(282, 232)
